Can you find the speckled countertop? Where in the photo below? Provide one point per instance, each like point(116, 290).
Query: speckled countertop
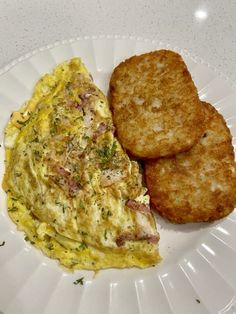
point(204, 27)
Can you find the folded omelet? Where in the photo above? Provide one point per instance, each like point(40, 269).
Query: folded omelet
point(71, 188)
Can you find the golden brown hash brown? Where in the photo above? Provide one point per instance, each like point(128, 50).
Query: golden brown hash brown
point(155, 105)
point(198, 185)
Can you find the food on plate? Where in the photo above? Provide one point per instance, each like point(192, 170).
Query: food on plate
point(155, 105)
point(70, 186)
point(198, 185)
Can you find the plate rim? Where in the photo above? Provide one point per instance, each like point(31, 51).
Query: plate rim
point(167, 45)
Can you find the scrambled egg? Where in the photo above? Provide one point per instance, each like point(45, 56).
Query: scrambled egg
point(71, 188)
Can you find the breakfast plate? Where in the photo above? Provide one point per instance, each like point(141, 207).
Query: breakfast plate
point(197, 273)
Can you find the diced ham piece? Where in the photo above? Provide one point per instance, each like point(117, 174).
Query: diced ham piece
point(144, 208)
point(68, 182)
point(79, 105)
point(126, 236)
point(113, 129)
point(62, 171)
point(73, 104)
point(85, 95)
point(151, 238)
point(59, 138)
point(73, 186)
point(100, 130)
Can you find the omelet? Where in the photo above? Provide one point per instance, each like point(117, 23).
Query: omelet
point(70, 186)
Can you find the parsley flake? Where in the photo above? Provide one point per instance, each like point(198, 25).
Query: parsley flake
point(62, 206)
point(12, 209)
point(109, 213)
point(79, 281)
point(28, 240)
point(83, 245)
point(107, 152)
point(105, 234)
point(23, 123)
point(81, 205)
point(3, 243)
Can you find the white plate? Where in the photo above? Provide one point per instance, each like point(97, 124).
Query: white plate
point(198, 271)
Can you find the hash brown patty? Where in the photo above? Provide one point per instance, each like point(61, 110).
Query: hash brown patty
point(155, 105)
point(198, 185)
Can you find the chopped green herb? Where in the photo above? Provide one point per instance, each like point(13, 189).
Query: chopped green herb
point(113, 148)
point(83, 245)
point(106, 214)
point(198, 301)
point(68, 85)
point(85, 137)
point(107, 151)
point(35, 140)
point(84, 233)
point(79, 281)
point(104, 153)
point(81, 205)
point(50, 246)
point(12, 209)
point(28, 240)
point(3, 243)
point(105, 234)
point(109, 213)
point(74, 261)
point(77, 178)
point(38, 154)
point(22, 122)
point(79, 118)
point(35, 131)
point(63, 206)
